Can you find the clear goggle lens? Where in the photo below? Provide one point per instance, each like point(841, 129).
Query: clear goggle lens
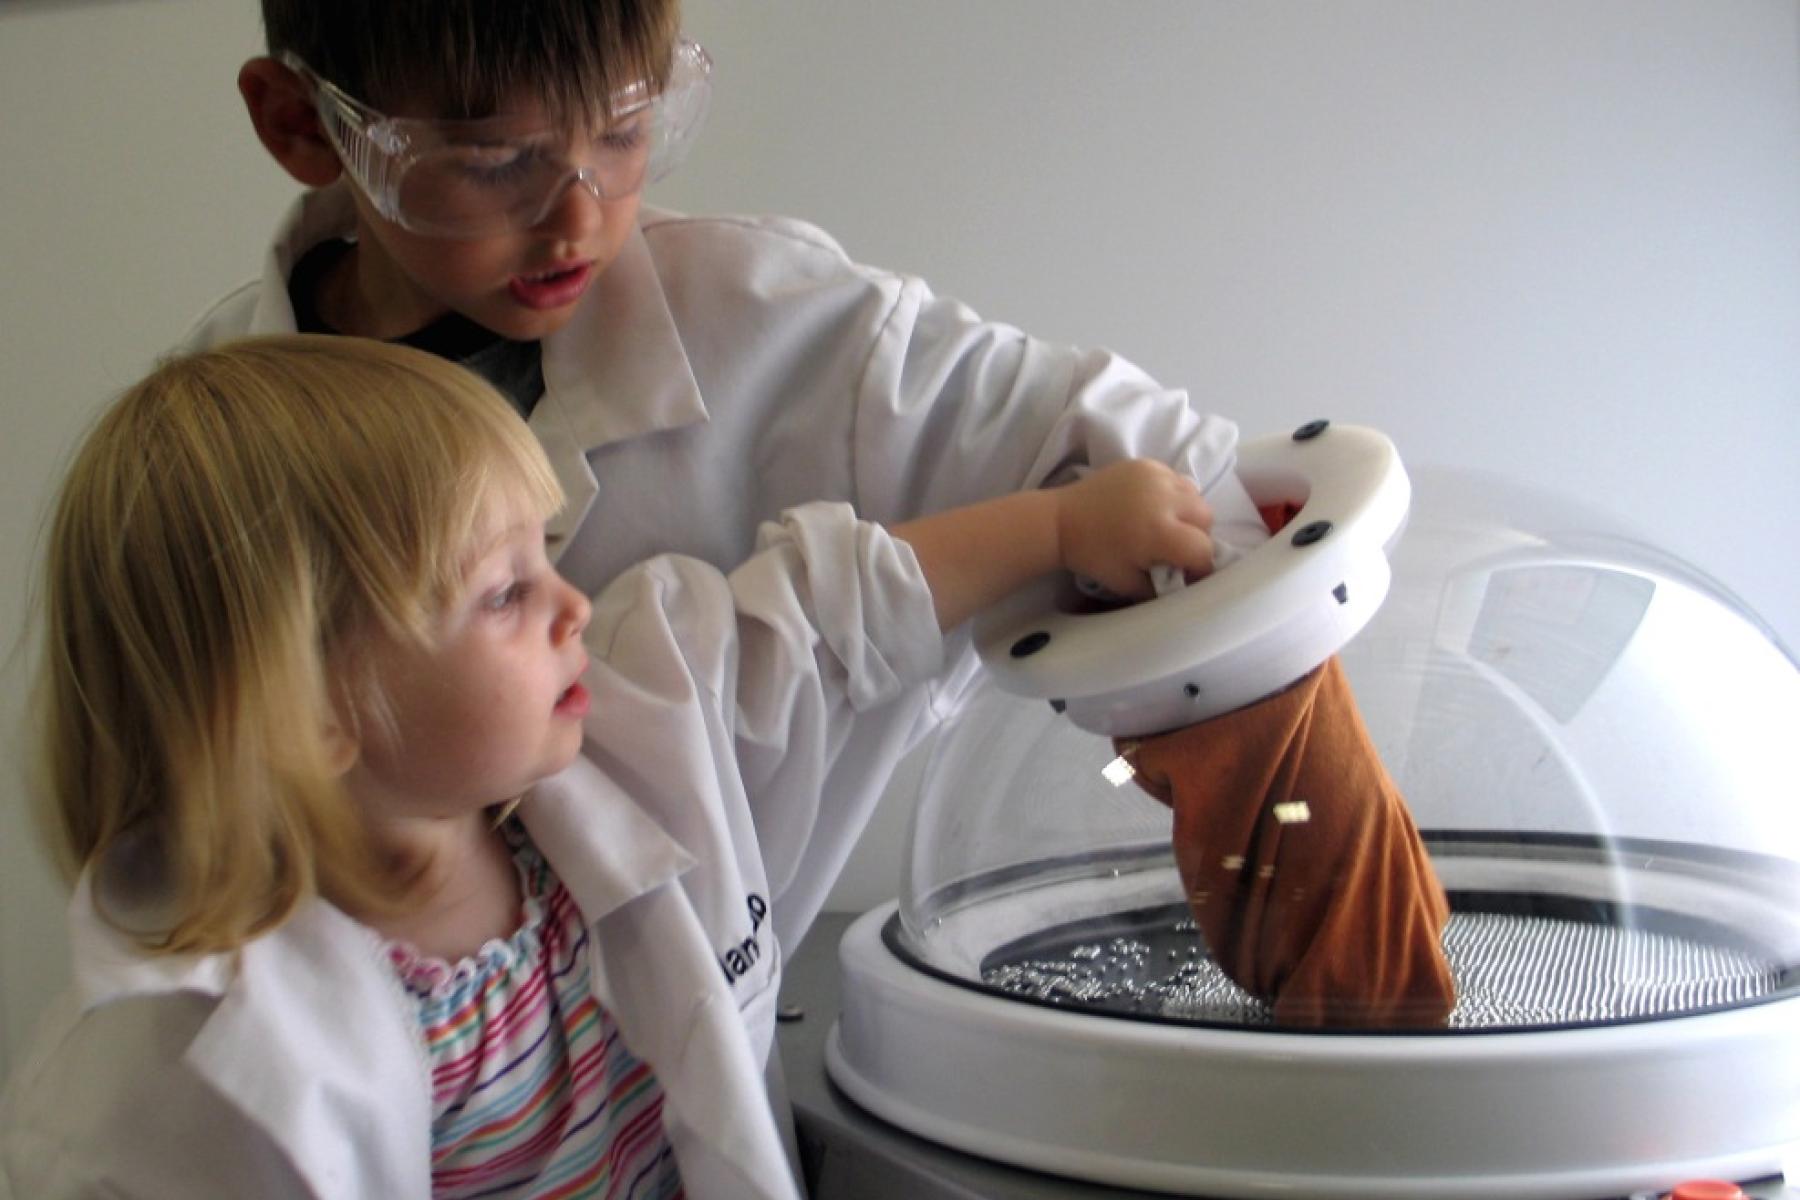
point(475, 178)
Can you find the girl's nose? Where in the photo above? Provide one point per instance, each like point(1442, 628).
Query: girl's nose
point(572, 612)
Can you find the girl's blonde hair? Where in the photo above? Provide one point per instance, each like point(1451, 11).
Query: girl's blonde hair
point(229, 533)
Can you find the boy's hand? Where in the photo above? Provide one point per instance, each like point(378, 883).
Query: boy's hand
point(1112, 527)
point(1120, 521)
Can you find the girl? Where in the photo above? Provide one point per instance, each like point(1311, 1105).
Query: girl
point(354, 914)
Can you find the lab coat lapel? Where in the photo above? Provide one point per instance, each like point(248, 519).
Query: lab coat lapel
point(603, 846)
point(347, 1100)
point(654, 970)
point(674, 1008)
point(313, 1042)
point(616, 371)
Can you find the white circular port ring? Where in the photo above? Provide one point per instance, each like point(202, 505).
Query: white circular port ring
point(1242, 633)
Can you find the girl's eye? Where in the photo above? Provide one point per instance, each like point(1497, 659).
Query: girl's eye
point(507, 597)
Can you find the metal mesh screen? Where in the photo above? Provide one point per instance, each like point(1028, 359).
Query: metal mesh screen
point(1511, 970)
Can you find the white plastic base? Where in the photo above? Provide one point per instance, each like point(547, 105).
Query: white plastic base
point(1538, 1115)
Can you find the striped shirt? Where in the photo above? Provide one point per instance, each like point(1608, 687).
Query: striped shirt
point(534, 1093)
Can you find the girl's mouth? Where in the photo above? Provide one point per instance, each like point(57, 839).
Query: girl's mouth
point(573, 702)
point(555, 288)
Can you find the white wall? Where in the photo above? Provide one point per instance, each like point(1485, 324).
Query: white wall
point(132, 193)
point(1557, 240)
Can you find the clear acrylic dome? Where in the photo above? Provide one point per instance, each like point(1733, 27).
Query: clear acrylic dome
point(1592, 736)
point(1595, 742)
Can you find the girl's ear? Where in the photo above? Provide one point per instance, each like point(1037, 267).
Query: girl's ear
point(281, 109)
point(341, 731)
point(342, 746)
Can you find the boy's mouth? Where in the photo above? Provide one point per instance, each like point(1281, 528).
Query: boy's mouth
point(555, 288)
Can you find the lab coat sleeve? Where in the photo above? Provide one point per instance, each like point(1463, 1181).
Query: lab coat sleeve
point(724, 703)
point(953, 409)
point(820, 715)
point(835, 620)
point(831, 617)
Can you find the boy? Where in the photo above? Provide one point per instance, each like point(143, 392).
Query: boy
point(476, 168)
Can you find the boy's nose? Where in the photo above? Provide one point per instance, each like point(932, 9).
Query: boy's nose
point(575, 211)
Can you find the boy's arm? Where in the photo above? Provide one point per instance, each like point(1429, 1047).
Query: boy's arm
point(720, 697)
point(952, 408)
point(1111, 526)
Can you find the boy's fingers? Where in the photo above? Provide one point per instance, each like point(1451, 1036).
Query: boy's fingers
point(1151, 515)
point(1192, 550)
point(1178, 549)
point(1198, 512)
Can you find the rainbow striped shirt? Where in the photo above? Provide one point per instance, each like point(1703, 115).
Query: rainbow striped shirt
point(534, 1093)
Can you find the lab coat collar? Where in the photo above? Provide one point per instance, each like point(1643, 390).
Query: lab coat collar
point(617, 370)
point(107, 964)
point(322, 213)
point(347, 1100)
point(602, 844)
point(313, 1038)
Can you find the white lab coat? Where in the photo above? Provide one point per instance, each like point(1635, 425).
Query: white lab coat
point(724, 369)
point(293, 1068)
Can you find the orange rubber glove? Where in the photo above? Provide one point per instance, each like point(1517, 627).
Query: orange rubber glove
point(1300, 861)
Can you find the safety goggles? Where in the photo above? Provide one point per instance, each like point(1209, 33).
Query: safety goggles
point(474, 178)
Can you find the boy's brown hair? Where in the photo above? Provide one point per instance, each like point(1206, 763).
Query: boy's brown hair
point(466, 58)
